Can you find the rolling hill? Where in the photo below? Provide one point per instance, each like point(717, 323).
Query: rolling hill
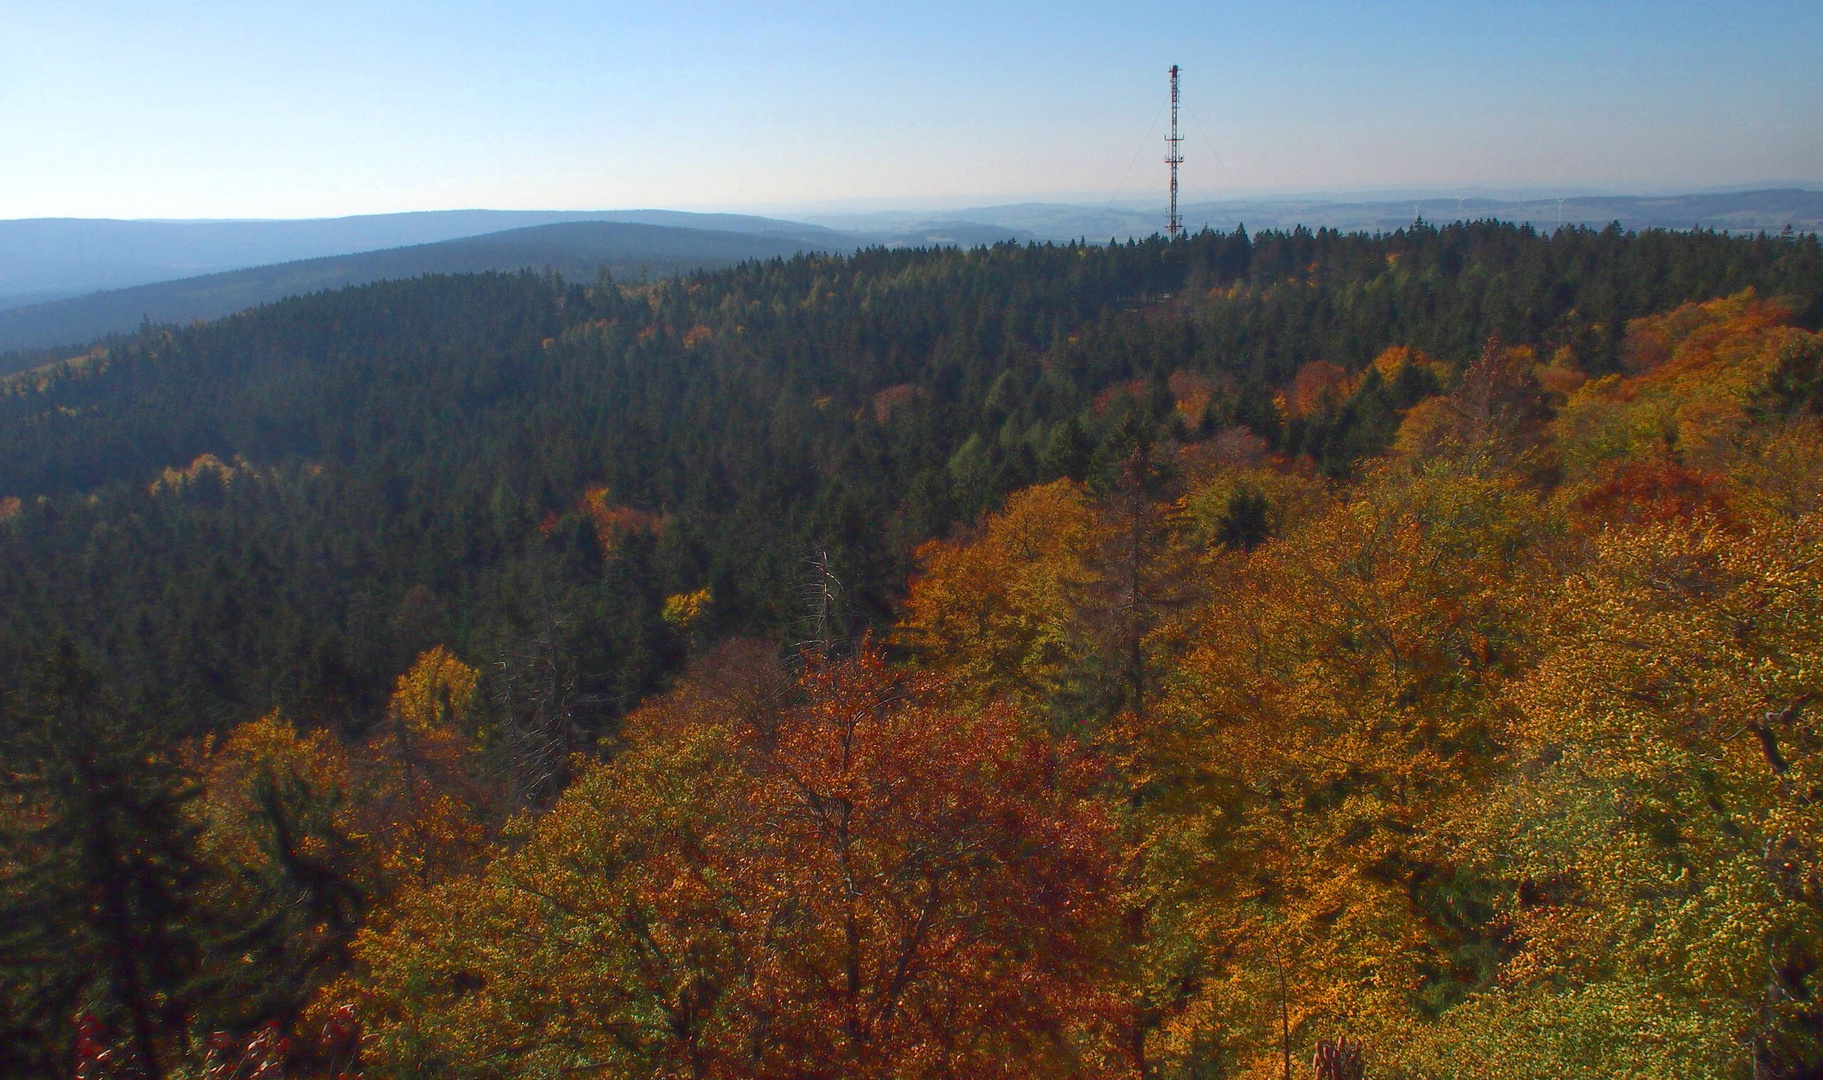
point(575, 249)
point(44, 259)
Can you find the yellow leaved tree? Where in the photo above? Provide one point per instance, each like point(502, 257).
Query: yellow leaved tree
point(422, 802)
point(1663, 829)
point(993, 612)
point(1339, 709)
point(312, 836)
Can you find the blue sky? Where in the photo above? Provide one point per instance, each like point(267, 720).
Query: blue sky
point(254, 109)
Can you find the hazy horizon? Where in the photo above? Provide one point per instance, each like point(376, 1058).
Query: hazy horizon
point(915, 207)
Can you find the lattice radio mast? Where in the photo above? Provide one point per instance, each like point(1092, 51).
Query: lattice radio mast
point(1174, 224)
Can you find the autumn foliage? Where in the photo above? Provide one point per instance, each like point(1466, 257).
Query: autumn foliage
point(1491, 760)
point(1494, 756)
point(848, 879)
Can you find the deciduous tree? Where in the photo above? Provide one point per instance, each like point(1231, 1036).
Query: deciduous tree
point(866, 883)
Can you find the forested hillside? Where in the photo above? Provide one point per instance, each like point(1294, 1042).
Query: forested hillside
point(1142, 660)
point(582, 250)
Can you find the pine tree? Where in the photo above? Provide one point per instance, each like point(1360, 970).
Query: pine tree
point(97, 870)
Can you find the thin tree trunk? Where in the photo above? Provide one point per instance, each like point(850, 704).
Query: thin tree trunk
point(1284, 1017)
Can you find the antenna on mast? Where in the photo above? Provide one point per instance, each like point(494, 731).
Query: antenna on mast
point(1174, 224)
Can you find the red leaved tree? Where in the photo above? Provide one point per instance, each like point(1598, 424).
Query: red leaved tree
point(845, 877)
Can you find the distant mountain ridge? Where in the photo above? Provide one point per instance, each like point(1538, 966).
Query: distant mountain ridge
point(575, 249)
point(43, 259)
point(1745, 211)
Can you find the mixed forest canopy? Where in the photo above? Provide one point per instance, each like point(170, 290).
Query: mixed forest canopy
point(1143, 660)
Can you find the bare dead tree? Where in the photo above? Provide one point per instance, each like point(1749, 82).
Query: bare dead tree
point(821, 594)
point(535, 691)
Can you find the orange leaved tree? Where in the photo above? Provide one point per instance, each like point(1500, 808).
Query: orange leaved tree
point(994, 612)
point(843, 879)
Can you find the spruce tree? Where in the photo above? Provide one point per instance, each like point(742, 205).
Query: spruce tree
point(97, 873)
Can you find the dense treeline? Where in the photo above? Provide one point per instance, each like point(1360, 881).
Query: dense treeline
point(1407, 638)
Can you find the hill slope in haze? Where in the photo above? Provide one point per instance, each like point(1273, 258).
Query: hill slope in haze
point(43, 259)
point(575, 249)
